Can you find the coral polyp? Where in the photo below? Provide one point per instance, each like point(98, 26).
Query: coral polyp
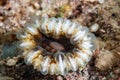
point(56, 45)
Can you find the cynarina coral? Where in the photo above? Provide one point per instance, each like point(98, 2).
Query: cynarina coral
point(56, 45)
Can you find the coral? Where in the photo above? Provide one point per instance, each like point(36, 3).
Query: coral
point(10, 46)
point(15, 13)
point(43, 43)
point(10, 50)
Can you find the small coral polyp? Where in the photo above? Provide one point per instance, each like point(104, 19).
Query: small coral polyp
point(59, 61)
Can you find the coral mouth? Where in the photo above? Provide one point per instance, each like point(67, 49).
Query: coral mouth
point(54, 45)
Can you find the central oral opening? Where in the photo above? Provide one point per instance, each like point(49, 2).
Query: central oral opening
point(53, 45)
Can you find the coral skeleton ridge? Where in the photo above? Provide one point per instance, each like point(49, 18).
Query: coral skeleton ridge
point(57, 60)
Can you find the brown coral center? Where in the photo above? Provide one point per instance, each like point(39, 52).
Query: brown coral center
point(53, 45)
